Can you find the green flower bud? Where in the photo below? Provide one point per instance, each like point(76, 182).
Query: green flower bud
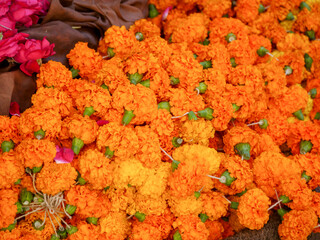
point(287, 70)
point(77, 145)
point(18, 182)
point(195, 56)
point(127, 117)
point(192, 116)
point(262, 51)
point(54, 237)
point(74, 72)
point(234, 205)
point(230, 37)
point(26, 197)
point(233, 62)
point(177, 141)
point(308, 61)
point(1, 36)
point(6, 146)
point(203, 217)
point(139, 36)
point(265, 124)
point(284, 199)
point(226, 178)
point(313, 93)
point(243, 149)
point(311, 34)
point(174, 165)
point(174, 81)
point(81, 181)
point(63, 234)
point(261, 8)
point(10, 227)
point(170, 39)
point(205, 42)
point(197, 194)
point(177, 235)
point(70, 209)
point(305, 176)
point(164, 105)
point(88, 111)
point(226, 219)
point(110, 52)
point(282, 212)
point(104, 86)
point(38, 199)
point(298, 114)
point(235, 107)
point(146, 83)
point(135, 78)
point(153, 12)
point(106, 188)
point(108, 153)
point(140, 216)
point(71, 229)
point(243, 192)
point(290, 16)
point(19, 207)
point(304, 5)
point(225, 16)
point(92, 220)
point(36, 169)
point(202, 87)
point(317, 116)
point(206, 64)
point(305, 146)
point(40, 134)
point(38, 225)
point(206, 113)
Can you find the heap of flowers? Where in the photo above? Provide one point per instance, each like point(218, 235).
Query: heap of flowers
point(17, 47)
point(196, 123)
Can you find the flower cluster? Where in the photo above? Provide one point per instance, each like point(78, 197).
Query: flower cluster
point(195, 123)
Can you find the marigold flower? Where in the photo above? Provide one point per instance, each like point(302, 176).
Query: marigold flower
point(215, 228)
point(315, 204)
point(8, 199)
point(120, 40)
point(85, 231)
point(241, 51)
point(142, 230)
point(214, 205)
point(54, 74)
point(11, 169)
point(35, 119)
point(215, 8)
point(121, 198)
point(82, 127)
point(50, 98)
point(162, 124)
point(163, 4)
point(33, 153)
point(270, 168)
point(148, 205)
point(115, 223)
point(266, 143)
point(90, 203)
point(307, 20)
point(122, 140)
point(96, 169)
point(86, 60)
point(294, 41)
point(247, 10)
point(147, 28)
point(54, 178)
point(191, 228)
point(234, 222)
point(253, 209)
point(281, 8)
point(297, 224)
point(9, 129)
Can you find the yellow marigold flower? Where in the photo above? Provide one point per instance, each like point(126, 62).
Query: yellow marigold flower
point(96, 169)
point(197, 132)
point(11, 169)
point(33, 152)
point(50, 98)
point(253, 209)
point(8, 199)
point(115, 223)
point(54, 178)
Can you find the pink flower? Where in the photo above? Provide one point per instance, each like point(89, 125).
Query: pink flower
point(102, 122)
point(6, 24)
point(32, 51)
point(14, 109)
point(4, 6)
point(25, 15)
point(9, 45)
point(64, 155)
point(165, 13)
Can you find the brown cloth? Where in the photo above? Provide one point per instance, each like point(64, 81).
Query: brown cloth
point(66, 23)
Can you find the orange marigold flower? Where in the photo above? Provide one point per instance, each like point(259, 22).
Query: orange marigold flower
point(241, 51)
point(54, 74)
point(215, 8)
point(239, 170)
point(294, 41)
point(115, 223)
point(35, 119)
point(214, 205)
point(147, 28)
point(85, 231)
point(11, 169)
point(51, 98)
point(139, 99)
point(163, 4)
point(314, 83)
point(9, 129)
point(82, 127)
point(8, 199)
point(54, 178)
point(253, 209)
point(144, 231)
point(258, 41)
point(315, 204)
point(122, 140)
point(216, 82)
point(281, 8)
point(221, 27)
point(234, 222)
point(86, 60)
point(307, 20)
point(297, 224)
point(247, 10)
point(185, 206)
point(162, 124)
point(33, 153)
point(270, 168)
point(216, 230)
point(191, 228)
point(197, 132)
point(96, 169)
point(121, 198)
point(120, 40)
point(266, 143)
point(303, 130)
point(147, 205)
point(90, 203)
